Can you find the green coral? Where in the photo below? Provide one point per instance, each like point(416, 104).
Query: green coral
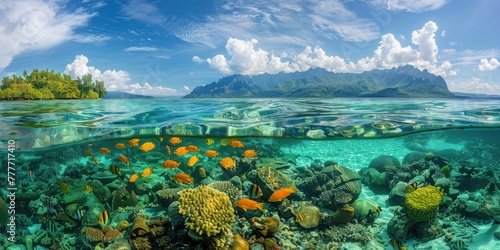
point(208, 210)
point(423, 203)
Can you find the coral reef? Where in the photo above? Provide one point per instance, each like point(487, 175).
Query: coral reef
point(265, 227)
point(312, 213)
point(123, 198)
point(342, 215)
point(228, 188)
point(209, 213)
point(366, 210)
point(423, 203)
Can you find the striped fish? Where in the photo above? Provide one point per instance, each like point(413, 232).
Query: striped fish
point(103, 218)
point(78, 214)
point(255, 191)
point(300, 217)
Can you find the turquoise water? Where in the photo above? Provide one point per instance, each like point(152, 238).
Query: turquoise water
point(338, 154)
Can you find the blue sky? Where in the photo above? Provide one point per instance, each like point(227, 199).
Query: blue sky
point(169, 47)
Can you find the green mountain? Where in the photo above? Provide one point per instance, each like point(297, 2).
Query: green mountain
point(406, 81)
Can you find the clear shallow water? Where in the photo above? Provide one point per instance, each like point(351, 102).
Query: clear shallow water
point(298, 137)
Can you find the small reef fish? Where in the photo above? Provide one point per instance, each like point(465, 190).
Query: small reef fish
point(209, 141)
point(52, 228)
point(168, 149)
point(31, 175)
point(225, 142)
point(250, 153)
point(236, 144)
point(397, 245)
point(227, 163)
point(193, 160)
point(87, 152)
point(78, 214)
point(88, 188)
point(460, 244)
point(120, 145)
point(133, 178)
point(64, 187)
point(147, 146)
point(105, 151)
point(124, 159)
point(255, 191)
point(281, 194)
point(175, 140)
point(183, 178)
point(212, 153)
point(146, 172)
point(411, 187)
point(193, 148)
point(134, 142)
point(103, 218)
point(246, 203)
point(95, 161)
point(115, 170)
point(50, 205)
point(160, 139)
point(170, 164)
point(300, 217)
point(180, 151)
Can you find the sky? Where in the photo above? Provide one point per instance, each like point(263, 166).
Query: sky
point(168, 47)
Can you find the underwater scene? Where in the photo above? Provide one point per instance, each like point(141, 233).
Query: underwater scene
point(250, 174)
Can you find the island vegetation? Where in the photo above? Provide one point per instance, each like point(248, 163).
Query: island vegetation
point(47, 85)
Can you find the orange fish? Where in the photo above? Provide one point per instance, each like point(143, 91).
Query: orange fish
point(180, 151)
point(147, 146)
point(133, 178)
point(227, 163)
point(87, 153)
point(236, 144)
point(281, 194)
point(193, 160)
point(250, 153)
point(124, 159)
point(246, 203)
point(95, 160)
point(170, 164)
point(120, 145)
point(168, 149)
point(105, 151)
point(183, 178)
point(146, 172)
point(193, 148)
point(134, 142)
point(175, 140)
point(212, 153)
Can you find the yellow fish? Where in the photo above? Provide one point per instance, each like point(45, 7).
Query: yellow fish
point(133, 142)
point(180, 151)
point(147, 146)
point(146, 172)
point(236, 144)
point(250, 153)
point(225, 142)
point(193, 160)
point(64, 187)
point(212, 153)
point(300, 217)
point(133, 178)
point(103, 218)
point(209, 141)
point(175, 140)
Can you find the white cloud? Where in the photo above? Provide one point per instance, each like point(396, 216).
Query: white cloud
point(34, 25)
point(114, 80)
point(490, 65)
point(412, 5)
point(475, 86)
point(144, 11)
point(186, 88)
point(245, 58)
point(443, 33)
point(141, 49)
point(198, 59)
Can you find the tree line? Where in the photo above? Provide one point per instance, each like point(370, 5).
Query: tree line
point(47, 85)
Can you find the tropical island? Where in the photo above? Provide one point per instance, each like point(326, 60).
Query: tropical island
point(406, 81)
point(48, 85)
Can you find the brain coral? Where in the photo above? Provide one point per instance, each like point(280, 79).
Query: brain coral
point(209, 211)
point(423, 203)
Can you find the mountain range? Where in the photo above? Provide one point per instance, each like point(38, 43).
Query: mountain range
point(405, 81)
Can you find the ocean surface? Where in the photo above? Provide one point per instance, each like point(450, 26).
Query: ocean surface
point(348, 174)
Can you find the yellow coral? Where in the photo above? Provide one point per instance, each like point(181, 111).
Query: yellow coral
point(209, 211)
point(423, 203)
